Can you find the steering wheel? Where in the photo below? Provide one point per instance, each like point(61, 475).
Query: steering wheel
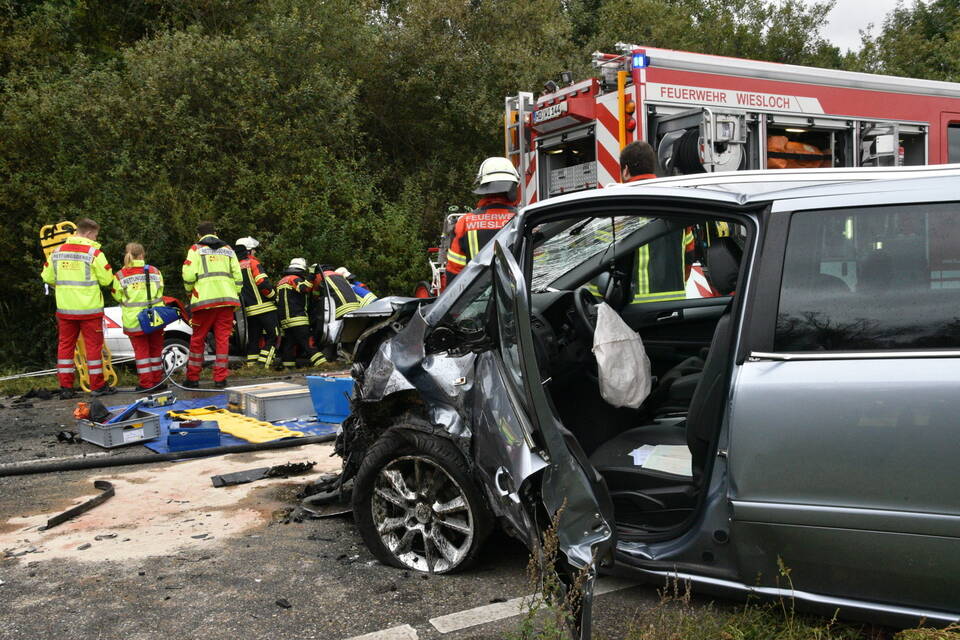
point(585, 316)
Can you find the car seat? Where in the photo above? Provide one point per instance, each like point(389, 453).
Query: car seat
point(655, 498)
point(675, 389)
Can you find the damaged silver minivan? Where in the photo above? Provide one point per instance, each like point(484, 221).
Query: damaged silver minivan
point(805, 403)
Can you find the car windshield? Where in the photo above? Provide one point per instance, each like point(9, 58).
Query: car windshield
point(566, 244)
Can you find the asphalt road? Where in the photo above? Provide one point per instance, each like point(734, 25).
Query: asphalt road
point(150, 576)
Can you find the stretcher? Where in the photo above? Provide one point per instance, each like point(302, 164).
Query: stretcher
point(237, 425)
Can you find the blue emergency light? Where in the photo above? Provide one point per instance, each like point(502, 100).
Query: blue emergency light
point(641, 61)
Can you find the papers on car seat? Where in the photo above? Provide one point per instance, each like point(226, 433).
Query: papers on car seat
point(640, 454)
point(665, 458)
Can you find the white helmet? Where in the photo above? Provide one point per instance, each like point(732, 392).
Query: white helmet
point(247, 242)
point(298, 263)
point(496, 175)
point(342, 271)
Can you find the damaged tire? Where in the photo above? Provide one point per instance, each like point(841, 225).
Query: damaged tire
point(416, 505)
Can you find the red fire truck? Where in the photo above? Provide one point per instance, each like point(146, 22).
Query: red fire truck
point(705, 113)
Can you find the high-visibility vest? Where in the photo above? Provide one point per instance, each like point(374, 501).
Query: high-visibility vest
point(130, 290)
point(211, 275)
point(77, 269)
point(345, 299)
point(661, 270)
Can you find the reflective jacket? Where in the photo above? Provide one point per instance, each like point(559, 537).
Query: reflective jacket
point(258, 294)
point(211, 275)
point(476, 229)
point(661, 265)
point(345, 299)
point(130, 290)
point(292, 292)
point(77, 269)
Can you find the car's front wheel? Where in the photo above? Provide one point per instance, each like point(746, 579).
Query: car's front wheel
point(417, 506)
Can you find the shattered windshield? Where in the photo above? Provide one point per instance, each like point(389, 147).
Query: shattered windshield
point(570, 244)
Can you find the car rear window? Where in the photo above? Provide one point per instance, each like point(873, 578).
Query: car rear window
point(875, 278)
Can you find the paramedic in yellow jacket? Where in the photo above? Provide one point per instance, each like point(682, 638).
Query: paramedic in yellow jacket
point(131, 291)
point(212, 278)
point(77, 270)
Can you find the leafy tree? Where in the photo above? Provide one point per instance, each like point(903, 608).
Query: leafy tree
point(787, 31)
point(919, 41)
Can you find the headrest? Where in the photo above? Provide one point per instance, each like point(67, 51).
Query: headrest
point(723, 258)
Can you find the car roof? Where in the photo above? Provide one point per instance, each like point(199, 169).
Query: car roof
point(746, 187)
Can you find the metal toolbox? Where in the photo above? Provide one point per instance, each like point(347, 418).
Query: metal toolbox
point(141, 426)
point(283, 404)
point(236, 395)
point(196, 434)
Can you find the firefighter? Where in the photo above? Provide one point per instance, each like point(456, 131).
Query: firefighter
point(130, 290)
point(363, 293)
point(661, 264)
point(77, 270)
point(293, 291)
point(497, 183)
point(257, 297)
point(213, 281)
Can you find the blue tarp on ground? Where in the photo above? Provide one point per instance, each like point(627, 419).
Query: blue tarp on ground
point(308, 425)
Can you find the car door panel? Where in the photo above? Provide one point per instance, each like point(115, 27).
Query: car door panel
point(503, 447)
point(837, 464)
point(571, 491)
point(676, 330)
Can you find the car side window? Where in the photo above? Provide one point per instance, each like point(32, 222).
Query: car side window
point(872, 278)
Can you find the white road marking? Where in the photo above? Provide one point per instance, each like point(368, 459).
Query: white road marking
point(514, 607)
point(403, 632)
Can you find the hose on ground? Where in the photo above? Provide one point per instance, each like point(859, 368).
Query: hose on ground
point(119, 461)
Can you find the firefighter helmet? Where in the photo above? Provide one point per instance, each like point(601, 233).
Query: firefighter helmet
point(343, 271)
point(247, 242)
point(298, 264)
point(496, 175)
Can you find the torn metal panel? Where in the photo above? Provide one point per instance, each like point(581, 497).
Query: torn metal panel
point(252, 475)
point(107, 492)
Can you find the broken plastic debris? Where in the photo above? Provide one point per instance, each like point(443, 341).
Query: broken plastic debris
point(283, 602)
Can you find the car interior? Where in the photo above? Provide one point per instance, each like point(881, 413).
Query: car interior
point(654, 458)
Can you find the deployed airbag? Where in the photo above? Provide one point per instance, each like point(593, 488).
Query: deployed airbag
point(622, 362)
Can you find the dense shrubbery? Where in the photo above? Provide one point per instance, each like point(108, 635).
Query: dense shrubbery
point(333, 129)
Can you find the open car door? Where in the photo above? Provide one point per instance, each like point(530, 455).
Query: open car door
point(571, 491)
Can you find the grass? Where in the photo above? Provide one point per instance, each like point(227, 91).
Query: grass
point(550, 613)
point(127, 377)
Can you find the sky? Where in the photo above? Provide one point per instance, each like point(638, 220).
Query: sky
point(849, 16)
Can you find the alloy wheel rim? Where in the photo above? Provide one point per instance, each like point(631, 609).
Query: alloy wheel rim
point(422, 515)
point(174, 357)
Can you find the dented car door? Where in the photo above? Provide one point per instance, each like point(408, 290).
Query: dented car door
point(570, 490)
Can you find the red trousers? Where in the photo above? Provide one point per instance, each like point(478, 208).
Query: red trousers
point(147, 348)
point(92, 330)
point(220, 321)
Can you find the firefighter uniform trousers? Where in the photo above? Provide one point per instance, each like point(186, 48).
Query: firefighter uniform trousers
point(268, 326)
point(203, 321)
point(146, 350)
point(92, 331)
point(292, 292)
